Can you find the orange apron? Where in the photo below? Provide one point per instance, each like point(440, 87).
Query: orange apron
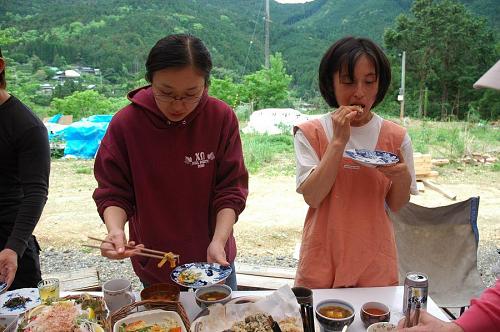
point(348, 241)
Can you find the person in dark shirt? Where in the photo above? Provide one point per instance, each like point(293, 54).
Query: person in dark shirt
point(24, 182)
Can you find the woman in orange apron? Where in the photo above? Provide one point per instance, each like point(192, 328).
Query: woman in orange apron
point(348, 240)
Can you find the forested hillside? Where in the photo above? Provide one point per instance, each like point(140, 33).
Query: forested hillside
point(115, 35)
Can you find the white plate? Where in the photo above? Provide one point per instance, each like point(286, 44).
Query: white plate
point(151, 317)
point(30, 293)
point(372, 158)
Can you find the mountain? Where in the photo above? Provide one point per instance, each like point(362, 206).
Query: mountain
point(116, 35)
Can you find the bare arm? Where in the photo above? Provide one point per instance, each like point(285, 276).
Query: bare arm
point(225, 221)
point(399, 193)
point(320, 182)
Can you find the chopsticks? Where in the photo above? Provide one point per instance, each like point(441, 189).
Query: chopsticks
point(306, 312)
point(139, 253)
point(144, 251)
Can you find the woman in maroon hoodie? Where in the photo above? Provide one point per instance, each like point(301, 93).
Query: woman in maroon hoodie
point(171, 164)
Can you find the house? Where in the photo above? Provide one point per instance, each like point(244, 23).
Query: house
point(62, 76)
point(46, 89)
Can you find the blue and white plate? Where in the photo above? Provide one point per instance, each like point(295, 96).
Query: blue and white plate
point(372, 158)
point(200, 274)
point(30, 294)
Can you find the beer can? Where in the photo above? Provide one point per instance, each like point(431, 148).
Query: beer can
point(416, 289)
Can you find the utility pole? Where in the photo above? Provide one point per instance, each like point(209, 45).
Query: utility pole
point(401, 96)
point(266, 45)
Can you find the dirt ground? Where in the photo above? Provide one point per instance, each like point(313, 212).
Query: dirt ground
point(274, 210)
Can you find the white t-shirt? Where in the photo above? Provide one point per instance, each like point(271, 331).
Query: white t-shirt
point(361, 138)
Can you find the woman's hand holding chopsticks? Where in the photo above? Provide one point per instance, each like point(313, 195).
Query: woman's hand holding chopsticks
point(117, 247)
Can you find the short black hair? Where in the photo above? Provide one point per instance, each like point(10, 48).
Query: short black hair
point(176, 51)
point(3, 83)
point(346, 52)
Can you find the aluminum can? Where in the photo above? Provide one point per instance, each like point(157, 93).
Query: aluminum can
point(416, 289)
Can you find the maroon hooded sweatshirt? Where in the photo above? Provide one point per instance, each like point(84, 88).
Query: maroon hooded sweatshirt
point(171, 178)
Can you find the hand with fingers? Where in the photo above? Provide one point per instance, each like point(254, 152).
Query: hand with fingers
point(217, 254)
point(8, 266)
point(342, 123)
point(398, 172)
point(428, 323)
point(117, 250)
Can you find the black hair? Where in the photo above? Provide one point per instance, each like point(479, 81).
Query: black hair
point(179, 50)
point(346, 52)
point(3, 83)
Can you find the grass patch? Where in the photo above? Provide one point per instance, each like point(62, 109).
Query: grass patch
point(83, 170)
point(453, 140)
point(272, 152)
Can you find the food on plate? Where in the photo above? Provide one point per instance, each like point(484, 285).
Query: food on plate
point(260, 322)
point(335, 312)
point(213, 296)
point(171, 258)
point(189, 276)
point(16, 302)
point(81, 314)
point(166, 325)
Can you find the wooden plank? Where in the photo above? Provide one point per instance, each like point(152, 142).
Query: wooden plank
point(265, 271)
point(253, 282)
point(436, 187)
point(86, 279)
point(431, 174)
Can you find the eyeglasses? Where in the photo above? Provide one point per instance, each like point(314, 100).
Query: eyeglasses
point(170, 99)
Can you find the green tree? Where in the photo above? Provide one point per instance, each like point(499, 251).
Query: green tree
point(447, 49)
point(226, 89)
point(86, 103)
point(267, 87)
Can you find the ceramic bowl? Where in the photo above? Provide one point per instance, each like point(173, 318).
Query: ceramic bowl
point(334, 324)
point(381, 327)
point(219, 288)
point(374, 312)
point(160, 292)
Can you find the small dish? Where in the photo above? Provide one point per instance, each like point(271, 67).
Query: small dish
point(196, 275)
point(372, 158)
point(327, 321)
point(30, 300)
point(212, 294)
point(244, 299)
point(374, 312)
point(151, 317)
point(165, 292)
point(381, 327)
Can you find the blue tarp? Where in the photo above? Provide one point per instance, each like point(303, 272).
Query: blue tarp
point(55, 118)
point(83, 137)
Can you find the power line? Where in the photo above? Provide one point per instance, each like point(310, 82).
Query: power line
point(253, 35)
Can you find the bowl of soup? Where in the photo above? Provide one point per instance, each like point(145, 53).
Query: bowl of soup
point(334, 314)
point(374, 312)
point(212, 294)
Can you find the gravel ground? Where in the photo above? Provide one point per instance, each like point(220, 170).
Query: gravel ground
point(56, 260)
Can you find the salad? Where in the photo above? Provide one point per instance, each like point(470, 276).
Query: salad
point(82, 314)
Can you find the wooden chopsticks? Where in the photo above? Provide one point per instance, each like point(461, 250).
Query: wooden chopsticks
point(144, 251)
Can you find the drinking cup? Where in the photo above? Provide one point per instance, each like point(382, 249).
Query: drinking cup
point(117, 294)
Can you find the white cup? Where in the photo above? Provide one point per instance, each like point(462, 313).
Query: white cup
point(117, 293)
